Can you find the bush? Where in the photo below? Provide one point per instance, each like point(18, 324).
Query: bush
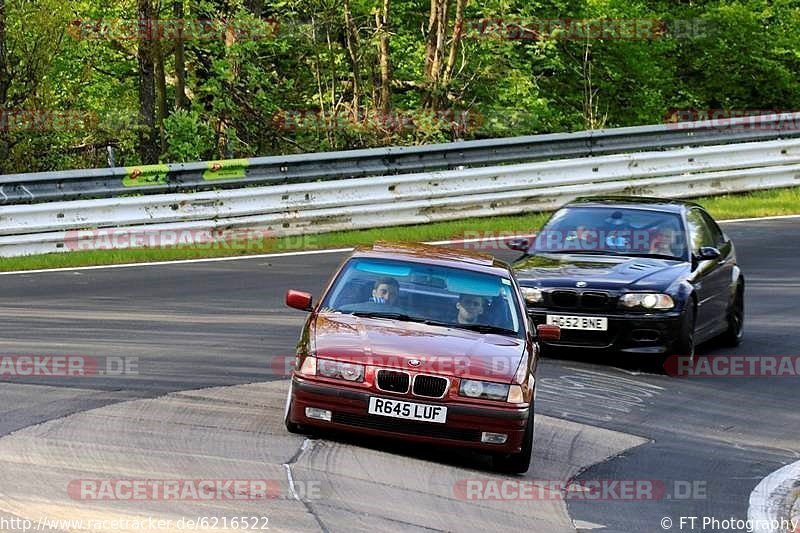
point(188, 136)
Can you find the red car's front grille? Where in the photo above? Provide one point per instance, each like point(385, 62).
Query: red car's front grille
point(429, 429)
point(393, 381)
point(430, 386)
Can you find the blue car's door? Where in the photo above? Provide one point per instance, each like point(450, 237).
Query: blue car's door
point(710, 276)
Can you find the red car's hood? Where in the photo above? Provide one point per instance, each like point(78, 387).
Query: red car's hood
point(439, 350)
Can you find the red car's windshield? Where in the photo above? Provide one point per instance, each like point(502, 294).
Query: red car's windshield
point(421, 292)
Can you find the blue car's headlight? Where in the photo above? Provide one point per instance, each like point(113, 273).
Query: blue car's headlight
point(532, 295)
point(646, 300)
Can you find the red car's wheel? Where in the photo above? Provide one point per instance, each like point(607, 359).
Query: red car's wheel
point(518, 463)
point(291, 427)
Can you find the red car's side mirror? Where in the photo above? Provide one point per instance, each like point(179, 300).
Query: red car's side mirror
point(547, 332)
point(298, 300)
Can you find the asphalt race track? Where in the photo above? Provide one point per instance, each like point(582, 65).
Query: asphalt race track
point(208, 343)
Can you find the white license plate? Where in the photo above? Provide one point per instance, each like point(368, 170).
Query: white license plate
point(408, 410)
point(591, 323)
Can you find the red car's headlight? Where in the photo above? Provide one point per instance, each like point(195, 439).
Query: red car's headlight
point(483, 389)
point(340, 370)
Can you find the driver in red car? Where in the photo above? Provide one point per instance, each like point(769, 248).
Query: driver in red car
point(470, 308)
point(385, 291)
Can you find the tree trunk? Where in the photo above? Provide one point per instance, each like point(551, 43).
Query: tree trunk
point(351, 43)
point(5, 76)
point(5, 83)
point(180, 61)
point(382, 20)
point(148, 136)
point(434, 53)
point(255, 7)
point(458, 31)
point(441, 36)
point(223, 143)
point(430, 38)
point(161, 93)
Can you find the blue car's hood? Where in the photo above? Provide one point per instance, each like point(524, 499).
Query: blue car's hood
point(598, 272)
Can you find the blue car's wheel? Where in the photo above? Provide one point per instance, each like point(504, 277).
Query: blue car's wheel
point(735, 332)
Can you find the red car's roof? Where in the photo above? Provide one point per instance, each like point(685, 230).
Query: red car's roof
point(438, 255)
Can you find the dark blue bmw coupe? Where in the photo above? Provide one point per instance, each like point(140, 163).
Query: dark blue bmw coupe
point(630, 274)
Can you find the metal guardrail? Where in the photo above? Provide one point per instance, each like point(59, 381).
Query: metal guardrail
point(368, 202)
point(314, 167)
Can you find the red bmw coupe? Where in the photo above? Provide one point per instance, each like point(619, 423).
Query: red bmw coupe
point(422, 343)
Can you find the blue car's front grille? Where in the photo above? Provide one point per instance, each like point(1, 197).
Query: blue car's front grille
point(594, 300)
point(565, 299)
point(578, 300)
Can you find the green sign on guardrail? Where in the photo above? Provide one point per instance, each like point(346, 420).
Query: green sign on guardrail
point(226, 170)
point(145, 175)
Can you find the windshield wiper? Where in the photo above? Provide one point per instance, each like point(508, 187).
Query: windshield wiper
point(658, 256)
point(485, 328)
point(401, 316)
point(578, 252)
point(431, 322)
point(613, 254)
point(405, 317)
point(382, 314)
point(482, 328)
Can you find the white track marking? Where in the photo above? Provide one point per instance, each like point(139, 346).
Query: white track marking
point(288, 468)
point(772, 499)
point(291, 482)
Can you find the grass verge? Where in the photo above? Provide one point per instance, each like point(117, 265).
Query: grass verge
point(748, 205)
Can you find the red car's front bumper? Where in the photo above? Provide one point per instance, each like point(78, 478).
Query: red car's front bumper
point(465, 422)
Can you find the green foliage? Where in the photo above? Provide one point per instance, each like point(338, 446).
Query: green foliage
point(189, 137)
point(263, 61)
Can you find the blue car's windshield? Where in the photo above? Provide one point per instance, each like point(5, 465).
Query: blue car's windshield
point(613, 230)
point(421, 292)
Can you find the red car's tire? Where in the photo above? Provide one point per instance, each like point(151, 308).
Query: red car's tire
point(291, 427)
point(518, 463)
